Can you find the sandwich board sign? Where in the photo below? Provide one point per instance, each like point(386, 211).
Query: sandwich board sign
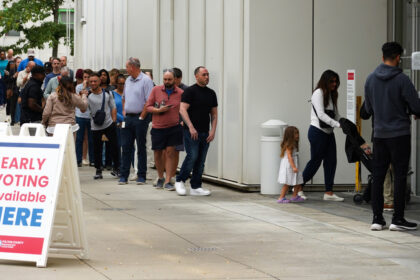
point(40, 200)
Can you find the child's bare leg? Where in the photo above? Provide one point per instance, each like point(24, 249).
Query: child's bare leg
point(283, 192)
point(296, 189)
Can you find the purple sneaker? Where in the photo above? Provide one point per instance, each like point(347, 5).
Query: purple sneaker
point(284, 200)
point(297, 199)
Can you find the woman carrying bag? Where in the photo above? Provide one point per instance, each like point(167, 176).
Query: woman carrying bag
point(324, 118)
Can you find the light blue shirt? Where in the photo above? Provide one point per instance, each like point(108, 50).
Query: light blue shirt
point(79, 114)
point(136, 93)
point(118, 104)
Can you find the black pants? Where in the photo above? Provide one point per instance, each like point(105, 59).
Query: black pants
point(323, 150)
point(395, 151)
point(110, 133)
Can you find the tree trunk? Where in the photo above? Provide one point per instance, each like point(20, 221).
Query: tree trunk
point(55, 14)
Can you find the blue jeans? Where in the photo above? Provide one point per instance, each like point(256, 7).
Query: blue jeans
point(196, 157)
point(84, 124)
point(323, 149)
point(135, 129)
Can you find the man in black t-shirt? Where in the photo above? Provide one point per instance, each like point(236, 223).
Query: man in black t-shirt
point(198, 109)
point(32, 97)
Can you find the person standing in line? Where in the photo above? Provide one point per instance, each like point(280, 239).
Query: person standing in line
point(56, 67)
point(22, 79)
point(198, 110)
point(63, 62)
point(60, 106)
point(324, 118)
point(164, 103)
point(31, 57)
point(53, 83)
point(84, 140)
point(391, 98)
point(3, 71)
point(106, 126)
point(10, 56)
point(136, 92)
point(11, 88)
point(32, 97)
point(113, 75)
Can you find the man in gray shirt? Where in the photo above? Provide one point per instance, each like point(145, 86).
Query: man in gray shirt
point(107, 128)
point(136, 92)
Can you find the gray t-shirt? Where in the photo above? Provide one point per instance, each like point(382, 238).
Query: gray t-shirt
point(95, 103)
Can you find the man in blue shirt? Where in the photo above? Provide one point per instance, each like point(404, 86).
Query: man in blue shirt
point(31, 57)
point(56, 66)
point(136, 92)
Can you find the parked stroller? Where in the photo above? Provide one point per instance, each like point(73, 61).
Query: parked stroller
point(355, 153)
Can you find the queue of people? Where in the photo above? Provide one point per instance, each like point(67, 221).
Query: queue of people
point(107, 109)
point(110, 113)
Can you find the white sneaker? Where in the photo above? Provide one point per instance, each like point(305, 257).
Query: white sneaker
point(200, 192)
point(302, 195)
point(180, 188)
point(133, 177)
point(85, 162)
point(332, 197)
point(377, 227)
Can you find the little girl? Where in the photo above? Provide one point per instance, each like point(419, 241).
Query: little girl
point(289, 174)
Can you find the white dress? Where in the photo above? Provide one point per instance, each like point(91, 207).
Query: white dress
point(286, 174)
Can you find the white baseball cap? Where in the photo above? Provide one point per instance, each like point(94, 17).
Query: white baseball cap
point(31, 52)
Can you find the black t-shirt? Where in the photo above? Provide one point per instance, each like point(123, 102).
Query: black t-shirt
point(31, 90)
point(201, 100)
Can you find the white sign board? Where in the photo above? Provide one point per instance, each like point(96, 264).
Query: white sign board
point(351, 95)
point(31, 172)
point(415, 61)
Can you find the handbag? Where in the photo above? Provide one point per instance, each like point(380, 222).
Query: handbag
point(99, 117)
point(330, 113)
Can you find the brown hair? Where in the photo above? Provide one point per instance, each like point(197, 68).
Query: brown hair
point(323, 84)
point(65, 90)
point(289, 142)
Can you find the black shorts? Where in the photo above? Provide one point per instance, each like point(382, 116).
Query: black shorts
point(166, 137)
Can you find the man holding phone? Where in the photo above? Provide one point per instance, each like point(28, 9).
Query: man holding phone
point(164, 103)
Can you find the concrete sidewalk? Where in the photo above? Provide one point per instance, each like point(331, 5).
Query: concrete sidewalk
point(137, 232)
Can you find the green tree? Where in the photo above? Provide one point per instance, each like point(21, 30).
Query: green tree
point(33, 18)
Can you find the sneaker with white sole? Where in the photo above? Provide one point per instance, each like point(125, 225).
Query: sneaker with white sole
point(200, 192)
point(302, 195)
point(402, 224)
point(133, 177)
point(332, 197)
point(378, 223)
point(180, 188)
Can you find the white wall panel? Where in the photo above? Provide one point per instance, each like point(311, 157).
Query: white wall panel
point(166, 36)
point(348, 35)
point(181, 35)
point(139, 19)
point(279, 73)
point(197, 28)
point(214, 63)
point(233, 90)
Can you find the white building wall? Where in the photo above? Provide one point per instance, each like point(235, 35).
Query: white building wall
point(113, 30)
point(259, 55)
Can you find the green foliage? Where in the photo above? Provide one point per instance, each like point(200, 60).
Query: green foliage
point(32, 18)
